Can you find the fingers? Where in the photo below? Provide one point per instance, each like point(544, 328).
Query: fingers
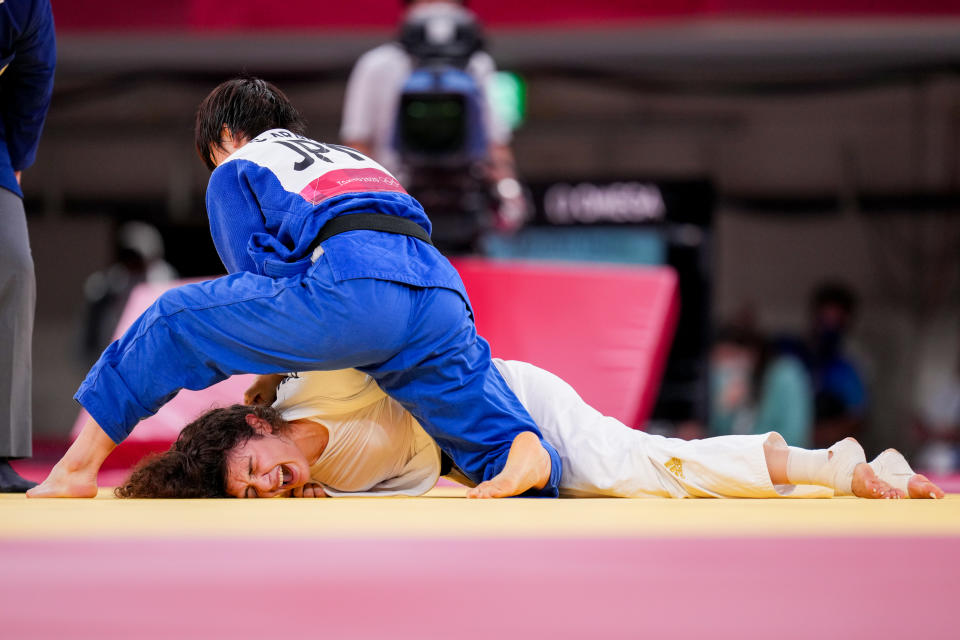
point(486, 490)
point(263, 391)
point(309, 490)
point(478, 492)
point(314, 491)
point(253, 396)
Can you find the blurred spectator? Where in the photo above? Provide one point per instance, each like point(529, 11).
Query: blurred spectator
point(27, 57)
point(138, 259)
point(752, 392)
point(840, 397)
point(372, 102)
point(938, 426)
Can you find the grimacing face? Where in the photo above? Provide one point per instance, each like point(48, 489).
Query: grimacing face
point(266, 466)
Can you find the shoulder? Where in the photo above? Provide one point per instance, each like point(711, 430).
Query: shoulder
point(386, 56)
point(223, 176)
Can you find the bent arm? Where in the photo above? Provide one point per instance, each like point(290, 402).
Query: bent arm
point(75, 475)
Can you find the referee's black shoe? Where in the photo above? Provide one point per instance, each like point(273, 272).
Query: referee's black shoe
point(11, 481)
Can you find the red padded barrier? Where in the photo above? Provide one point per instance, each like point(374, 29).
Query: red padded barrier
point(605, 330)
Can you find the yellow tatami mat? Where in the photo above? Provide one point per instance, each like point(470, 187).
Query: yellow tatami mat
point(443, 513)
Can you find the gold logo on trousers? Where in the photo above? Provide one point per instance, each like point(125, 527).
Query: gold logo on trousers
point(675, 466)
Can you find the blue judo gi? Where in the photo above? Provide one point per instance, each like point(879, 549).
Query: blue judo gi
point(389, 305)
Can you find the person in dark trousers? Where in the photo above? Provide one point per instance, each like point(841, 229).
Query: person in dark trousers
point(27, 56)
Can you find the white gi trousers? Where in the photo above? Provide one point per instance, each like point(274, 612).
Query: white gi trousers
point(603, 457)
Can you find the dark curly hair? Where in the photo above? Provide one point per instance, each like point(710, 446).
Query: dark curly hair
point(195, 466)
point(248, 106)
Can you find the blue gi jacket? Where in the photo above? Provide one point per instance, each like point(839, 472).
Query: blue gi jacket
point(263, 226)
point(27, 57)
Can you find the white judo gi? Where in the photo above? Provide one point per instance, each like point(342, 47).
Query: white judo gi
point(377, 448)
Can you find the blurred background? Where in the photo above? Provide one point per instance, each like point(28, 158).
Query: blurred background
point(797, 163)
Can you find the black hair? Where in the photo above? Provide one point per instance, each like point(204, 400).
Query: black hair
point(835, 293)
point(248, 106)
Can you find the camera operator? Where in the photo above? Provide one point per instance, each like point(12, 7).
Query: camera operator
point(373, 103)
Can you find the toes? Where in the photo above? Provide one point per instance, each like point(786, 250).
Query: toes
point(921, 487)
point(867, 485)
point(889, 492)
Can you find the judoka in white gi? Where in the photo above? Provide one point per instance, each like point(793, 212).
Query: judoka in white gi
point(338, 434)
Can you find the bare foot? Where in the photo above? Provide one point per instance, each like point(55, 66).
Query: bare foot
point(894, 469)
point(527, 466)
point(866, 484)
point(920, 487)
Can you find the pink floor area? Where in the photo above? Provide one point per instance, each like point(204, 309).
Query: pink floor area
point(590, 588)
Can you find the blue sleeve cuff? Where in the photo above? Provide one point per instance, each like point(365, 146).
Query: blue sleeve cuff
point(552, 488)
point(109, 402)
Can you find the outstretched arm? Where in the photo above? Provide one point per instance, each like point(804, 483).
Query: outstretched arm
point(75, 475)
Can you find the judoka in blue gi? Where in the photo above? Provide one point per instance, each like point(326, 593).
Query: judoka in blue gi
point(330, 267)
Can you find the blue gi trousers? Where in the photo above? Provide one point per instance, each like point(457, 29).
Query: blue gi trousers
point(418, 343)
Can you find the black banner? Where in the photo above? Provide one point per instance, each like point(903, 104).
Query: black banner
point(627, 201)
